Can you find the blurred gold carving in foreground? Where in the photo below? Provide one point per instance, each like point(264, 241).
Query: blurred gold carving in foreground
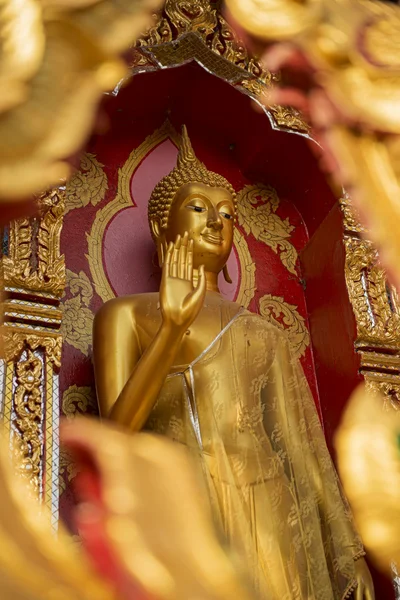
point(35, 565)
point(56, 60)
point(351, 53)
point(369, 465)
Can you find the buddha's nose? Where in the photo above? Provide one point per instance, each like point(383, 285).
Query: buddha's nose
point(214, 220)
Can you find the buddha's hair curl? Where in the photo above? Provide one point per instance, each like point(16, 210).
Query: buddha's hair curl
point(188, 170)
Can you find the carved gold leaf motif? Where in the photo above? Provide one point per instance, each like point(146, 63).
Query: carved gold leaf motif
point(257, 206)
point(42, 270)
point(88, 185)
point(76, 400)
point(28, 416)
point(286, 317)
point(77, 319)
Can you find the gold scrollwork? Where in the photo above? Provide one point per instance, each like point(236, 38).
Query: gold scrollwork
point(88, 186)
point(376, 309)
point(27, 420)
point(286, 317)
point(77, 322)
point(15, 342)
point(77, 400)
point(247, 287)
point(374, 301)
point(195, 30)
point(257, 206)
point(34, 261)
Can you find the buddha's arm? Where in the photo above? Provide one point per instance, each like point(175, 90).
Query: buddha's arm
point(127, 383)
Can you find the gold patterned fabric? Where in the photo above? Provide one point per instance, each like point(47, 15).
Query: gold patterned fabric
point(271, 482)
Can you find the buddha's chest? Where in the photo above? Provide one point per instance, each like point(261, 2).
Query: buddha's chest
point(197, 338)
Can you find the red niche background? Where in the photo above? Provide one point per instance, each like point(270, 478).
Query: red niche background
point(109, 251)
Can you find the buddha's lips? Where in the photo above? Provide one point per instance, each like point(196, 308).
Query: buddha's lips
point(212, 239)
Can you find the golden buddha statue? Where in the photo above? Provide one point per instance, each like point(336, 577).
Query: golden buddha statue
point(188, 364)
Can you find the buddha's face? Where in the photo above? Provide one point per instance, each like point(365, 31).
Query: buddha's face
point(207, 214)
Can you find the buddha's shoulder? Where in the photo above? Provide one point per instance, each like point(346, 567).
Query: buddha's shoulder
point(128, 308)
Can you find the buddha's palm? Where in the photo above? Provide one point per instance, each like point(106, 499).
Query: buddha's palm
point(180, 301)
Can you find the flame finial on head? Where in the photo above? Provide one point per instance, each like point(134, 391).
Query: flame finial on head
point(188, 170)
point(186, 156)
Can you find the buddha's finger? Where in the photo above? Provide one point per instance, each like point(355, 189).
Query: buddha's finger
point(189, 261)
point(167, 260)
point(200, 290)
point(182, 257)
point(175, 257)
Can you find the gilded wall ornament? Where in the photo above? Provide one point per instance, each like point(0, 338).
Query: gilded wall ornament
point(196, 30)
point(27, 419)
point(77, 400)
point(77, 319)
point(286, 317)
point(376, 309)
point(257, 206)
point(88, 186)
point(34, 278)
point(33, 260)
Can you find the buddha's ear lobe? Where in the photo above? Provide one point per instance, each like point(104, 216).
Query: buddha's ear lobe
point(155, 228)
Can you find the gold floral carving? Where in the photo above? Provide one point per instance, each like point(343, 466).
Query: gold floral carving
point(27, 420)
point(34, 261)
point(87, 186)
point(247, 287)
point(67, 470)
point(16, 341)
point(77, 400)
point(376, 309)
point(286, 317)
point(196, 30)
point(374, 301)
point(257, 206)
point(77, 319)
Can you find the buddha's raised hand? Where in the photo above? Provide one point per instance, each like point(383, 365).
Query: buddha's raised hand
point(180, 301)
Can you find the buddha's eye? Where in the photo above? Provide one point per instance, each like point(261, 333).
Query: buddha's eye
point(226, 215)
point(195, 208)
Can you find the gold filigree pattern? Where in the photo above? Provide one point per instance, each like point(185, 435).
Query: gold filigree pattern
point(287, 318)
point(27, 420)
point(351, 219)
point(88, 186)
point(77, 319)
point(15, 341)
point(374, 301)
point(257, 206)
point(67, 470)
point(247, 287)
point(376, 309)
point(77, 400)
point(34, 261)
point(196, 30)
